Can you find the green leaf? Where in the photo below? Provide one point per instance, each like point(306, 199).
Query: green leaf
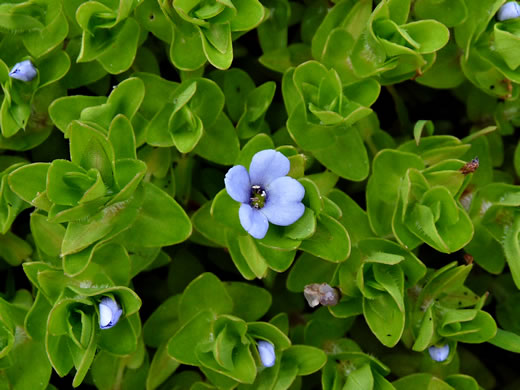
point(125, 98)
point(308, 359)
point(330, 242)
point(161, 368)
point(511, 245)
point(28, 353)
point(40, 42)
point(428, 9)
point(204, 293)
point(238, 258)
point(221, 57)
point(361, 378)
point(149, 15)
point(83, 362)
point(207, 226)
point(429, 34)
point(187, 131)
point(67, 182)
point(251, 254)
point(299, 276)
point(68, 108)
point(153, 225)
point(480, 328)
point(219, 143)
point(119, 340)
point(163, 322)
point(257, 103)
point(236, 84)
point(183, 345)
point(120, 55)
point(89, 148)
point(445, 71)
point(384, 318)
point(354, 218)
point(506, 340)
point(14, 18)
point(225, 211)
point(121, 136)
point(269, 332)
point(421, 381)
point(48, 236)
point(249, 15)
point(304, 227)
point(105, 224)
point(388, 167)
point(445, 280)
point(243, 295)
point(312, 198)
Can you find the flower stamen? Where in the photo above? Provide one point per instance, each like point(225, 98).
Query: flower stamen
point(258, 197)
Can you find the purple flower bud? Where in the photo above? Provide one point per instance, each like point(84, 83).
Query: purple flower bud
point(510, 10)
point(266, 352)
point(109, 313)
point(439, 354)
point(24, 71)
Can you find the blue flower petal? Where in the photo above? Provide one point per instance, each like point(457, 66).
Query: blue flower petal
point(253, 221)
point(284, 214)
point(284, 190)
point(109, 313)
point(24, 71)
point(268, 165)
point(267, 354)
point(237, 184)
point(283, 204)
point(510, 10)
point(439, 354)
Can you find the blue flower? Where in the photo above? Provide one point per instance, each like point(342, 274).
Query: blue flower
point(109, 313)
point(439, 354)
point(24, 71)
point(267, 194)
point(266, 352)
point(510, 10)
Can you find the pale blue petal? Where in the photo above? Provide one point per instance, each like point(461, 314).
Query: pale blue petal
point(24, 71)
point(267, 354)
point(237, 184)
point(253, 221)
point(283, 204)
point(285, 189)
point(439, 354)
point(109, 313)
point(510, 10)
point(284, 214)
point(268, 165)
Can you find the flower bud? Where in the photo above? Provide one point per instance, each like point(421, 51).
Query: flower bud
point(320, 293)
point(439, 354)
point(266, 352)
point(24, 71)
point(510, 10)
point(109, 313)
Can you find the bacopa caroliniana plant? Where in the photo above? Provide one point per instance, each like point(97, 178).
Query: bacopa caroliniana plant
point(259, 194)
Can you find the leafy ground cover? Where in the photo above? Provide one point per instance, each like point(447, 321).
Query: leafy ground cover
point(259, 194)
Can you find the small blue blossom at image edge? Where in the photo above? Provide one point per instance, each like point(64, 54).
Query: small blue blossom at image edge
point(266, 193)
point(439, 354)
point(266, 352)
point(109, 313)
point(510, 10)
point(24, 71)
